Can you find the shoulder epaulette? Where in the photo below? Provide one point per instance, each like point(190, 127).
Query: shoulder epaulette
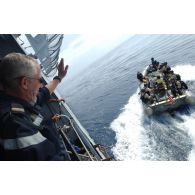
point(17, 108)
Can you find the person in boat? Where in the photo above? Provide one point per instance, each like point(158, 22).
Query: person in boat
point(184, 85)
point(163, 67)
point(168, 70)
point(172, 75)
point(155, 64)
point(160, 85)
point(177, 87)
point(152, 61)
point(170, 78)
point(166, 75)
point(173, 87)
point(181, 86)
point(22, 133)
point(140, 77)
point(178, 77)
point(146, 97)
point(151, 68)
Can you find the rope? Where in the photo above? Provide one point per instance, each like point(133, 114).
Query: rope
point(63, 115)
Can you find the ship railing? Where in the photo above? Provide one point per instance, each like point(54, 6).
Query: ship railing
point(94, 152)
point(87, 155)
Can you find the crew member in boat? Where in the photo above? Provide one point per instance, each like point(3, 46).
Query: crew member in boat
point(184, 85)
point(181, 86)
point(160, 85)
point(141, 78)
point(151, 68)
point(163, 68)
point(166, 75)
point(172, 75)
point(178, 77)
point(22, 133)
point(155, 64)
point(173, 87)
point(146, 96)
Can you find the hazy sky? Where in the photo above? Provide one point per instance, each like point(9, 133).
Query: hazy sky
point(79, 51)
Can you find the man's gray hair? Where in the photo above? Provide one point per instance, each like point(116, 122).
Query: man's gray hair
point(16, 65)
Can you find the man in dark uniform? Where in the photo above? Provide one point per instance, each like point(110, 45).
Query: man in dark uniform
point(140, 76)
point(155, 64)
point(22, 135)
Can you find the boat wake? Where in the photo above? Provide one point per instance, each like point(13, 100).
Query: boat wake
point(167, 136)
point(128, 128)
point(187, 72)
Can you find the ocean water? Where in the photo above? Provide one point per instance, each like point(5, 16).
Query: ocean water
point(105, 99)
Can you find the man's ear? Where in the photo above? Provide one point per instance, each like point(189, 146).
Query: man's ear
point(24, 83)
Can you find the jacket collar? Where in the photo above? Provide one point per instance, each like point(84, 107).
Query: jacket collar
point(10, 99)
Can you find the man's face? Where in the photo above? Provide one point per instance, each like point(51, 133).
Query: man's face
point(33, 85)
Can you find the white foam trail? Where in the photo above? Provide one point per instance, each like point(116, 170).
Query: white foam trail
point(187, 72)
point(128, 128)
point(189, 125)
point(130, 131)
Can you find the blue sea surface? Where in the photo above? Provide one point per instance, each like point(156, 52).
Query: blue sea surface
point(105, 99)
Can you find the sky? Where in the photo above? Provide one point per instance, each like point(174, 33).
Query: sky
point(80, 51)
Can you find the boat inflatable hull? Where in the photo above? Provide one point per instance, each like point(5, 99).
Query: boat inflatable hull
point(148, 111)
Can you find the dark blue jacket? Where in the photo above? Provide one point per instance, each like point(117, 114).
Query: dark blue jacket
point(24, 132)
